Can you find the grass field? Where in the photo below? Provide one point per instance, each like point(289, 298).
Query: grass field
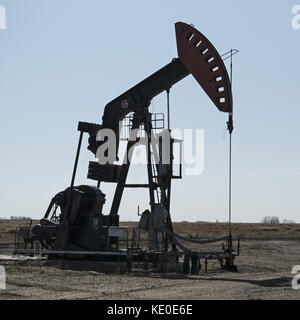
point(200, 230)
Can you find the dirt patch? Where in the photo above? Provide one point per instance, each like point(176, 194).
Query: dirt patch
point(264, 273)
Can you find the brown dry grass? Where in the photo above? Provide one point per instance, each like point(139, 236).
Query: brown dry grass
point(203, 230)
point(196, 230)
point(8, 228)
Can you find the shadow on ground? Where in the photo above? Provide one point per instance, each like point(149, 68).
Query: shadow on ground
point(279, 282)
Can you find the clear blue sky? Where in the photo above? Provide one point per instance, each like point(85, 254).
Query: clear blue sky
point(62, 61)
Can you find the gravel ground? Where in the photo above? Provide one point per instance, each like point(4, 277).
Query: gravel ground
point(264, 273)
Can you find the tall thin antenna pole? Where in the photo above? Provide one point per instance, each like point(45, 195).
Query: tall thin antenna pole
point(230, 152)
point(230, 129)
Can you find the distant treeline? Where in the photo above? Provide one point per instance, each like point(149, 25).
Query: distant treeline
point(275, 220)
point(15, 218)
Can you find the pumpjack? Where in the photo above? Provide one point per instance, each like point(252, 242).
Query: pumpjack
point(74, 222)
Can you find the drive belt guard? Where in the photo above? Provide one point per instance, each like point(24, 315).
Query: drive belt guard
point(202, 59)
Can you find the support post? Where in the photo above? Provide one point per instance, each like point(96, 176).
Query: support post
point(73, 178)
